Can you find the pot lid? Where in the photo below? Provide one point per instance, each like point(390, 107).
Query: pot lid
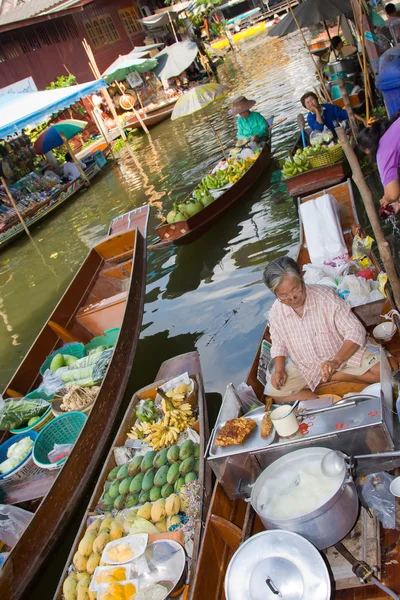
point(277, 564)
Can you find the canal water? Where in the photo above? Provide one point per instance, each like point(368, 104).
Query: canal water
point(208, 295)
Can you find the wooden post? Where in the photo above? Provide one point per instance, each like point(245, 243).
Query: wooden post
point(216, 134)
point(14, 205)
point(320, 75)
point(76, 161)
point(136, 113)
point(383, 245)
point(348, 107)
point(172, 26)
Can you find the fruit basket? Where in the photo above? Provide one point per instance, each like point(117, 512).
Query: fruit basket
point(108, 338)
point(73, 349)
point(62, 430)
point(42, 421)
point(331, 156)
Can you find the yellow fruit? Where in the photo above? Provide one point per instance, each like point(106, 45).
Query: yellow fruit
point(172, 505)
point(69, 587)
point(129, 591)
point(174, 520)
point(113, 554)
point(162, 526)
point(116, 531)
point(95, 526)
point(83, 575)
point(92, 595)
point(106, 522)
point(119, 573)
point(144, 511)
point(86, 544)
point(116, 591)
point(101, 541)
point(107, 596)
point(126, 555)
point(92, 563)
point(182, 388)
point(82, 589)
point(158, 511)
point(79, 562)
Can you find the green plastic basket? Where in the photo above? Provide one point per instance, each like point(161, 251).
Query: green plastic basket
point(72, 349)
point(44, 419)
point(61, 430)
point(108, 338)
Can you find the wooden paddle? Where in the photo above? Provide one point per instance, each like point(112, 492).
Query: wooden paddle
point(301, 124)
point(278, 123)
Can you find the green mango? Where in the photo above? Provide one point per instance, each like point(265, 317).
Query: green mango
point(131, 500)
point(147, 462)
point(134, 466)
point(196, 451)
point(119, 502)
point(155, 494)
point(148, 480)
point(186, 450)
point(178, 484)
point(173, 472)
point(160, 458)
point(173, 454)
point(113, 491)
point(108, 500)
point(190, 477)
point(186, 465)
point(113, 473)
point(167, 490)
point(57, 362)
point(144, 497)
point(196, 467)
point(136, 484)
point(124, 485)
point(123, 472)
point(160, 478)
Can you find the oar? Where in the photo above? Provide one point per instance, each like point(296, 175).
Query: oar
point(277, 123)
point(301, 124)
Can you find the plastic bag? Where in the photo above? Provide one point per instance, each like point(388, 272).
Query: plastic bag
point(59, 452)
point(248, 398)
point(377, 495)
point(13, 522)
point(16, 412)
point(361, 249)
point(359, 290)
point(52, 382)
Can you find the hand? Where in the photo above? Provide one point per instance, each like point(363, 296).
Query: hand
point(279, 379)
point(384, 201)
point(328, 368)
point(256, 139)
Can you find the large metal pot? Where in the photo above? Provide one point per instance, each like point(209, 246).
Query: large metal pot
point(327, 524)
point(344, 65)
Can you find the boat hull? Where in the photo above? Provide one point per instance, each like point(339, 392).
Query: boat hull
point(317, 179)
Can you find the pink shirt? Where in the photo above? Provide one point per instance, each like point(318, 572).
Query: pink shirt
point(317, 336)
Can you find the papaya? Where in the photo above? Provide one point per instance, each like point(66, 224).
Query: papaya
point(147, 462)
point(160, 477)
point(148, 480)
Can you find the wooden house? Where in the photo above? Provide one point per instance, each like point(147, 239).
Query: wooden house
point(43, 38)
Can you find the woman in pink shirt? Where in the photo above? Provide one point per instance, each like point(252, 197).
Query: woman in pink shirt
point(381, 142)
point(315, 337)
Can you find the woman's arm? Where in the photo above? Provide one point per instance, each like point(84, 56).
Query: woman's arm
point(391, 193)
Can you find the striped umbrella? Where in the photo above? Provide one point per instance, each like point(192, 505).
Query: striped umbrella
point(197, 99)
point(56, 134)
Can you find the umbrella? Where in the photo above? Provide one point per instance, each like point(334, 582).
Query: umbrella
point(197, 99)
point(175, 59)
point(51, 137)
point(146, 48)
point(127, 63)
point(310, 13)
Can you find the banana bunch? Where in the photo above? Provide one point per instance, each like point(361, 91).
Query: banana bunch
point(139, 430)
point(299, 163)
point(162, 435)
point(180, 418)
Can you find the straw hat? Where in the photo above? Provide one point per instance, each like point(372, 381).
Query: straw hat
point(240, 105)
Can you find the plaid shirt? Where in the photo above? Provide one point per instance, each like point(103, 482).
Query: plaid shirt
point(317, 336)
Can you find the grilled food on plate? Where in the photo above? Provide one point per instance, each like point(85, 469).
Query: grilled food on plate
point(235, 431)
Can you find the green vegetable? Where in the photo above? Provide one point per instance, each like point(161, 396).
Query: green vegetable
point(14, 414)
point(87, 371)
point(146, 411)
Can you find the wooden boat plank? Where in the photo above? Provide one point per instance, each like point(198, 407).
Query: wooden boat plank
point(171, 368)
point(34, 489)
point(185, 232)
point(72, 480)
point(317, 179)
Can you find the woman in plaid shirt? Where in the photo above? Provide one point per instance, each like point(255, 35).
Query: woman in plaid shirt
point(315, 337)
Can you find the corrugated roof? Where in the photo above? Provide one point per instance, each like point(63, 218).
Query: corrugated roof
point(34, 8)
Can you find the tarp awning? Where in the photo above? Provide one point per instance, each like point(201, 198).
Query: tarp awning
point(18, 111)
point(175, 59)
point(310, 13)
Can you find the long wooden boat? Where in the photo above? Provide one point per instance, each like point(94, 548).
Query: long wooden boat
point(315, 180)
point(231, 522)
point(171, 368)
point(108, 291)
point(187, 231)
point(152, 117)
point(41, 210)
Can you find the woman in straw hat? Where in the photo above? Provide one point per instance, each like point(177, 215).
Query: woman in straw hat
point(250, 124)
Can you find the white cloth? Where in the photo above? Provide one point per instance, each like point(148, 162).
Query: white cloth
point(71, 171)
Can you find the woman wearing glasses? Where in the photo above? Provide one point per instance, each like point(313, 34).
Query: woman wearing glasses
point(315, 337)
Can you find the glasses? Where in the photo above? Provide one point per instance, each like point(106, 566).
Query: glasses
point(295, 294)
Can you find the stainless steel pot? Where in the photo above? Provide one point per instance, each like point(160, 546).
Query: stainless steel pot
point(344, 65)
point(326, 525)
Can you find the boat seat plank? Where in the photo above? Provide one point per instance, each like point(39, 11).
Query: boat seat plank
point(230, 533)
point(121, 271)
point(106, 314)
point(27, 491)
point(63, 333)
point(118, 247)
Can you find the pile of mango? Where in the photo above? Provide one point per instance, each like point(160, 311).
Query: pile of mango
point(151, 477)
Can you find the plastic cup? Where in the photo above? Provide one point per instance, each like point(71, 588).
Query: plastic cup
point(286, 426)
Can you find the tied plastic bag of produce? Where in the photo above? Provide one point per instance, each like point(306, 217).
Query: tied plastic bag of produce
point(16, 413)
point(59, 452)
point(377, 495)
point(13, 522)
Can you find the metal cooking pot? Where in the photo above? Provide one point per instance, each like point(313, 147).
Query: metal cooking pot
point(344, 65)
point(326, 525)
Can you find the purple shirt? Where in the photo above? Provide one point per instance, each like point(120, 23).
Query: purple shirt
point(388, 155)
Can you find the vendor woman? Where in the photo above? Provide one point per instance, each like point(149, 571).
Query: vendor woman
point(324, 115)
point(315, 337)
point(250, 124)
point(381, 142)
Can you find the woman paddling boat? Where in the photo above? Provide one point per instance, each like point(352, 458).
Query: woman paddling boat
point(250, 124)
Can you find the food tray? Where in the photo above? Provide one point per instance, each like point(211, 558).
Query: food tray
point(137, 543)
point(252, 443)
point(95, 587)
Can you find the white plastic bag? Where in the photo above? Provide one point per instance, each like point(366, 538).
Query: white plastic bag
point(13, 522)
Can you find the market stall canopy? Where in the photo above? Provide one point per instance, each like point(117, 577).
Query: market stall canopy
point(51, 138)
point(175, 59)
point(18, 111)
point(159, 20)
point(310, 13)
point(127, 63)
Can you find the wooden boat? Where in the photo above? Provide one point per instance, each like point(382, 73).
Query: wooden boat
point(152, 117)
point(108, 291)
point(171, 368)
point(315, 180)
point(36, 213)
point(187, 231)
point(230, 522)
